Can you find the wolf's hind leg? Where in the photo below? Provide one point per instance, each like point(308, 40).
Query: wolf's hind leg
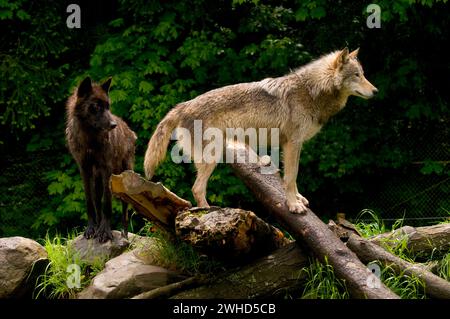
point(204, 171)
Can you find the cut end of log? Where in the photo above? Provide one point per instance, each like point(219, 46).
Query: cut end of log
point(152, 200)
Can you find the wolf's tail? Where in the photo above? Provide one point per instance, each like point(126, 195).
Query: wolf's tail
point(157, 146)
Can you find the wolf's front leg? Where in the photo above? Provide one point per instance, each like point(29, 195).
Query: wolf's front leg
point(104, 233)
point(88, 181)
point(296, 202)
point(300, 197)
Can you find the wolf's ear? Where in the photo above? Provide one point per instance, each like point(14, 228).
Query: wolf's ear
point(106, 85)
point(354, 54)
point(85, 87)
point(342, 58)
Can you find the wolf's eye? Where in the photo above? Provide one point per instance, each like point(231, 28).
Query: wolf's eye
point(357, 74)
point(93, 108)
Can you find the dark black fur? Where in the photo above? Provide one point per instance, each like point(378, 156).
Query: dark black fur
point(102, 144)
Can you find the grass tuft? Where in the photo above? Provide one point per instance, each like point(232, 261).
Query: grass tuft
point(321, 282)
point(406, 286)
point(176, 254)
point(444, 267)
point(53, 283)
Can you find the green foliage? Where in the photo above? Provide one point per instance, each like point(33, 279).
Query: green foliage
point(370, 224)
point(406, 286)
point(13, 9)
point(67, 199)
point(53, 283)
point(31, 65)
point(444, 267)
point(321, 283)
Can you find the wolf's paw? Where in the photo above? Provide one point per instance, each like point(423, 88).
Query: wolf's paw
point(297, 207)
point(104, 234)
point(302, 199)
point(89, 232)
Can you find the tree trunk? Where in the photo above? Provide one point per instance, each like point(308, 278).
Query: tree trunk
point(309, 229)
point(152, 200)
point(367, 251)
point(274, 275)
point(422, 241)
point(228, 233)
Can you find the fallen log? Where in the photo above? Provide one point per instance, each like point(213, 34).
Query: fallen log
point(421, 241)
point(367, 251)
point(152, 200)
point(309, 229)
point(171, 289)
point(274, 275)
point(230, 234)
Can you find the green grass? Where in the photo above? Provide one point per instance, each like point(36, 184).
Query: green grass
point(407, 287)
point(173, 255)
point(375, 226)
point(396, 246)
point(53, 283)
point(321, 282)
point(176, 254)
point(444, 267)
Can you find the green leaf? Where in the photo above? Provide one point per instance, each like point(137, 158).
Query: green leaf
point(6, 14)
point(145, 87)
point(117, 96)
point(430, 167)
point(117, 23)
point(22, 15)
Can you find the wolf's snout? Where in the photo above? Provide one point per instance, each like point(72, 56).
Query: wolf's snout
point(374, 91)
point(112, 124)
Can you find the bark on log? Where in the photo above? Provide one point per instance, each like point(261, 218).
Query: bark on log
point(228, 233)
point(309, 229)
point(272, 275)
point(152, 200)
point(367, 251)
point(169, 290)
point(422, 241)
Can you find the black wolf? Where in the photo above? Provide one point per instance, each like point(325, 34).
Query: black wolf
point(102, 144)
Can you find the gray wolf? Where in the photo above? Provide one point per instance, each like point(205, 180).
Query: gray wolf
point(299, 104)
point(102, 144)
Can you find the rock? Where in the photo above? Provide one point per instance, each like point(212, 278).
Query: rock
point(128, 275)
point(21, 260)
point(90, 250)
point(228, 233)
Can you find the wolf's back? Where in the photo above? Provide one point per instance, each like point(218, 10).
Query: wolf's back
point(157, 146)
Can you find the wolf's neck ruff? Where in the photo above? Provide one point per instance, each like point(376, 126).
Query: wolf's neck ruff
point(315, 87)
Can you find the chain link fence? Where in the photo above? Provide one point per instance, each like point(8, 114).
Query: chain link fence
point(419, 192)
